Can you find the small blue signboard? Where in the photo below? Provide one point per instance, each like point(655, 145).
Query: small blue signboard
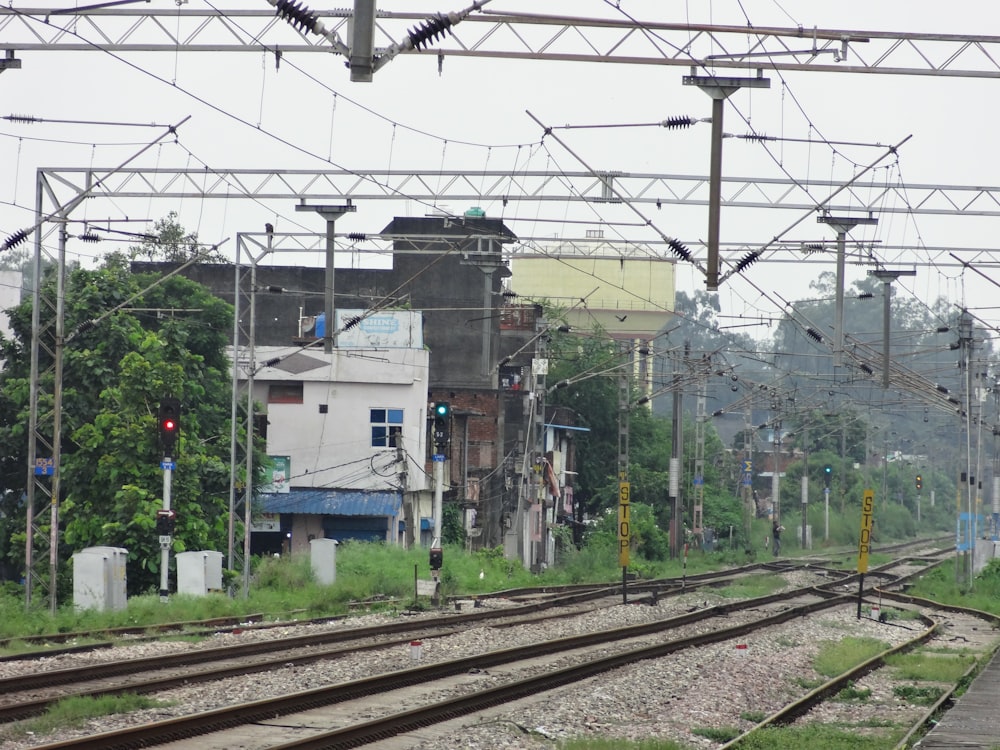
point(45, 467)
point(168, 465)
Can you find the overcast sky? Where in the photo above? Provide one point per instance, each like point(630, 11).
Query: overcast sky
point(473, 116)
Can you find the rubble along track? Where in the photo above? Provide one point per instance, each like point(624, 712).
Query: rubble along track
point(812, 599)
point(31, 693)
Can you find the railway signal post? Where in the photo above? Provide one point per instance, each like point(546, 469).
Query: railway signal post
point(168, 426)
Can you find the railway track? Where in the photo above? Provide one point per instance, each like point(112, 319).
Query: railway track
point(31, 693)
point(970, 634)
point(619, 647)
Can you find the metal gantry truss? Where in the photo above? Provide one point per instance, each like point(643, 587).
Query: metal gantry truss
point(545, 188)
point(614, 39)
point(58, 188)
point(434, 185)
point(495, 34)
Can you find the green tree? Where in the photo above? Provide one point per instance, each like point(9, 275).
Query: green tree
point(588, 366)
point(162, 337)
point(172, 243)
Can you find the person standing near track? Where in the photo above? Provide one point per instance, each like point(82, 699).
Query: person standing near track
point(776, 530)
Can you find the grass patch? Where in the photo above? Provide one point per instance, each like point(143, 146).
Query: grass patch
point(77, 711)
point(748, 587)
point(928, 667)
point(903, 615)
point(755, 717)
point(836, 657)
point(614, 744)
point(940, 584)
point(853, 694)
point(717, 734)
point(813, 736)
point(15, 647)
point(873, 724)
point(809, 684)
point(918, 696)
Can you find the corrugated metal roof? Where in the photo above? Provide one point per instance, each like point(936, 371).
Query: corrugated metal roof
point(333, 502)
point(567, 427)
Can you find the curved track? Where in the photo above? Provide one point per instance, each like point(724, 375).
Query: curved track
point(618, 647)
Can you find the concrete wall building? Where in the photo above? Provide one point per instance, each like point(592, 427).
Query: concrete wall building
point(347, 431)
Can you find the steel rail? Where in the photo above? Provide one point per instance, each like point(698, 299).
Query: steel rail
point(799, 708)
point(183, 727)
point(220, 719)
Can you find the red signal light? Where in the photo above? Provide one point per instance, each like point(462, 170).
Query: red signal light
point(169, 420)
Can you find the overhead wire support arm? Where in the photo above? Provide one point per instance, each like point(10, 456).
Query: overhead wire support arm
point(303, 19)
point(22, 234)
point(675, 245)
point(752, 257)
point(418, 37)
point(363, 60)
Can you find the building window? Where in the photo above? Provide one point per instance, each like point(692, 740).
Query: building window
point(387, 426)
point(284, 393)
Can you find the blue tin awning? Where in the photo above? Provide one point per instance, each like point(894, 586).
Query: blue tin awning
point(570, 428)
point(333, 502)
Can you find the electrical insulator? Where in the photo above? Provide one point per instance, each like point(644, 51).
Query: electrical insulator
point(431, 30)
point(15, 239)
point(298, 15)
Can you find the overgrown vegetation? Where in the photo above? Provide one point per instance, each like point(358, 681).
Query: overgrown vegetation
point(836, 657)
point(717, 734)
point(378, 574)
point(76, 711)
point(746, 587)
point(924, 666)
point(615, 744)
point(941, 584)
point(853, 694)
point(814, 736)
point(919, 696)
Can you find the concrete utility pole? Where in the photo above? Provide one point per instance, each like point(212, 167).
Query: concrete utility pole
point(805, 489)
point(624, 488)
point(775, 474)
point(887, 276)
point(330, 214)
point(677, 438)
point(841, 225)
point(966, 343)
point(719, 88)
point(746, 476)
point(539, 369)
point(698, 501)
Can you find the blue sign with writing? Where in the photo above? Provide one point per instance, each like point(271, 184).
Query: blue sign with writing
point(45, 467)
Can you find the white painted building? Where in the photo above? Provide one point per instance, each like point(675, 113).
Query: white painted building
point(348, 432)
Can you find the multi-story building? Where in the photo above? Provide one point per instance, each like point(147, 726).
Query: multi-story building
point(346, 433)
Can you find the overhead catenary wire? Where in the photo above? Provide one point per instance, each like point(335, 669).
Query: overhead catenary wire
point(23, 234)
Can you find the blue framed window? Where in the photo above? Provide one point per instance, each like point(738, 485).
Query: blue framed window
point(387, 427)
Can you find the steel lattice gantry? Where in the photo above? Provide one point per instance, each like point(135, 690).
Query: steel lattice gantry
point(486, 33)
point(501, 186)
point(61, 187)
point(550, 188)
point(503, 36)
